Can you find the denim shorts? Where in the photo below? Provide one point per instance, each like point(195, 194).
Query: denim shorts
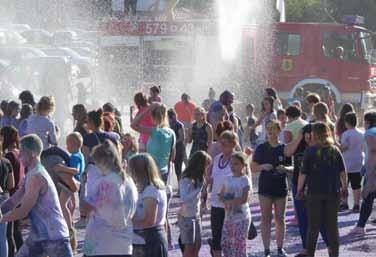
point(190, 230)
point(51, 248)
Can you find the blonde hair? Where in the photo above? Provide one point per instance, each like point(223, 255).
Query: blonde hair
point(108, 155)
point(77, 138)
point(134, 146)
point(144, 170)
point(46, 103)
point(202, 111)
point(322, 133)
point(159, 115)
point(273, 124)
point(230, 136)
point(321, 111)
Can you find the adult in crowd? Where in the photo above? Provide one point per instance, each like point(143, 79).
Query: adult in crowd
point(209, 101)
point(272, 92)
point(220, 171)
point(294, 124)
point(323, 173)
point(311, 100)
point(38, 199)
point(340, 125)
point(185, 109)
point(218, 110)
point(109, 231)
point(296, 150)
point(95, 124)
point(352, 148)
point(270, 161)
point(179, 130)
point(10, 115)
point(282, 119)
point(109, 123)
point(369, 186)
point(161, 144)
point(150, 239)
point(6, 185)
point(79, 114)
point(251, 121)
point(41, 123)
point(268, 114)
point(118, 124)
point(200, 134)
point(26, 97)
point(155, 94)
point(191, 186)
point(11, 143)
point(141, 102)
point(25, 113)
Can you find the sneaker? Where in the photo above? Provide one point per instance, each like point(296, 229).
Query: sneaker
point(358, 231)
point(343, 207)
point(267, 253)
point(356, 209)
point(281, 252)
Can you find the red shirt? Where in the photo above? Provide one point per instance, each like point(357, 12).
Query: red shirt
point(185, 111)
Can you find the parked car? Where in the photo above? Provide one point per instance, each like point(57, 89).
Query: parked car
point(14, 54)
point(11, 38)
point(38, 36)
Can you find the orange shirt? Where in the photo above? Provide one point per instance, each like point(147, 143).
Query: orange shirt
point(185, 111)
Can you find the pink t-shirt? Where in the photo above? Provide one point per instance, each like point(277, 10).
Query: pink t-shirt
point(145, 122)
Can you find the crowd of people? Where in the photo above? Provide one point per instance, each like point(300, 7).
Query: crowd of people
point(119, 179)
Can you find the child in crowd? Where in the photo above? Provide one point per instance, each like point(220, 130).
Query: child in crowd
point(191, 185)
point(235, 195)
point(130, 147)
point(353, 154)
point(72, 173)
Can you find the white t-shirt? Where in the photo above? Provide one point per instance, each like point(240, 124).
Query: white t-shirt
point(234, 187)
point(109, 231)
point(354, 156)
point(161, 197)
point(219, 176)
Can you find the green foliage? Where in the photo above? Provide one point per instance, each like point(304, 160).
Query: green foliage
point(314, 10)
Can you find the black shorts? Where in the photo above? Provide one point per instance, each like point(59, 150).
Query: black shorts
point(355, 179)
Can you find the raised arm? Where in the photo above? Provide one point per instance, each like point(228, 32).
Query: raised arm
point(35, 185)
point(135, 125)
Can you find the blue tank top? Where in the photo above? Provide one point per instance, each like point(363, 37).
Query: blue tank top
point(46, 217)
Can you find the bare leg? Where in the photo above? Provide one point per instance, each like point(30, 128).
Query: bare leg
point(69, 181)
point(357, 194)
point(279, 214)
point(266, 205)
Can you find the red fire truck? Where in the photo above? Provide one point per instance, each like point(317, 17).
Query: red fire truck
point(312, 57)
point(133, 53)
point(302, 57)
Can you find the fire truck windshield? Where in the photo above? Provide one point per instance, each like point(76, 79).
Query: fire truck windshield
point(368, 47)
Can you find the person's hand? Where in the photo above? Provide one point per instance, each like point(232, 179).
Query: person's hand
point(131, 109)
point(267, 167)
point(248, 151)
point(228, 205)
point(281, 168)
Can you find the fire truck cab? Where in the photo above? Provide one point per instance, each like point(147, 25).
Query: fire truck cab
point(311, 57)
